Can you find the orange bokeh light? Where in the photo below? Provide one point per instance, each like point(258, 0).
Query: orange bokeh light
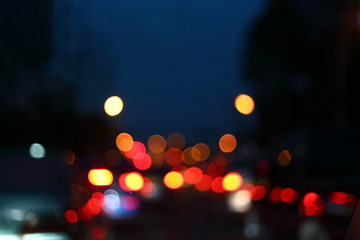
point(202, 153)
point(232, 181)
point(173, 180)
point(227, 143)
point(124, 142)
point(187, 155)
point(156, 144)
point(100, 177)
point(175, 140)
point(284, 158)
point(244, 104)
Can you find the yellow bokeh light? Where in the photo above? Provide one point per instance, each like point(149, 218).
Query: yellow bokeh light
point(244, 104)
point(134, 181)
point(227, 143)
point(232, 181)
point(173, 180)
point(124, 142)
point(156, 144)
point(100, 177)
point(113, 106)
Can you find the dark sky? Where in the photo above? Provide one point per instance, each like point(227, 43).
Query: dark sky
point(174, 63)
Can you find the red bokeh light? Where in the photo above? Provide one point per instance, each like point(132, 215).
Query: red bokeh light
point(138, 147)
point(216, 185)
point(257, 193)
point(193, 175)
point(71, 216)
point(342, 198)
point(142, 161)
point(275, 195)
point(204, 184)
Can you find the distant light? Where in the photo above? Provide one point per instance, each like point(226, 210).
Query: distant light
point(258, 193)
point(134, 181)
point(156, 144)
point(111, 201)
point(232, 181)
point(275, 195)
point(216, 185)
point(124, 142)
point(193, 175)
point(227, 143)
point(99, 233)
point(289, 195)
point(175, 140)
point(113, 106)
point(310, 198)
point(244, 104)
point(203, 150)
point(240, 201)
point(100, 177)
point(142, 161)
point(45, 236)
point(204, 184)
point(187, 155)
point(173, 180)
point(37, 150)
point(284, 158)
point(69, 157)
point(130, 203)
point(342, 198)
point(173, 156)
point(138, 147)
point(157, 159)
point(71, 216)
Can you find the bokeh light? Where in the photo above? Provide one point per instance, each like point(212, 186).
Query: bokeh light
point(289, 195)
point(284, 158)
point(240, 201)
point(124, 142)
point(113, 106)
point(244, 104)
point(232, 181)
point(173, 180)
point(100, 177)
point(37, 150)
point(142, 161)
point(193, 175)
point(71, 216)
point(227, 143)
point(69, 157)
point(175, 140)
point(257, 193)
point(187, 155)
point(173, 156)
point(216, 185)
point(275, 194)
point(138, 147)
point(204, 184)
point(342, 198)
point(202, 153)
point(134, 181)
point(157, 159)
point(156, 144)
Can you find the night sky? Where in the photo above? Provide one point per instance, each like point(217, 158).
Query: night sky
point(176, 65)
